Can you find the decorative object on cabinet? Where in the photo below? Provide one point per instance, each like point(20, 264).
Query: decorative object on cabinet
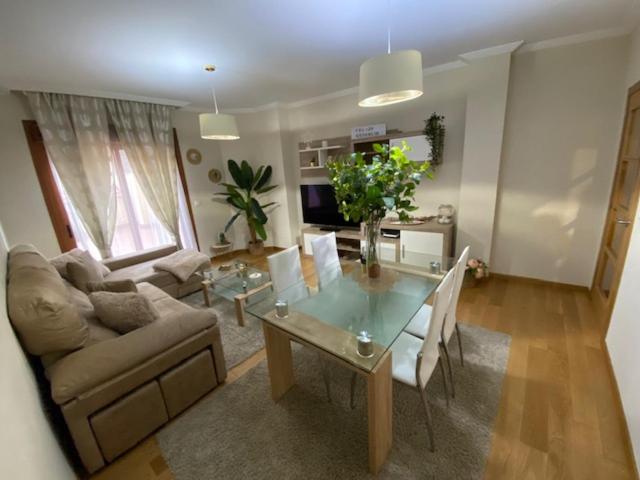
point(434, 131)
point(194, 157)
point(369, 131)
point(242, 196)
point(214, 175)
point(366, 192)
point(445, 213)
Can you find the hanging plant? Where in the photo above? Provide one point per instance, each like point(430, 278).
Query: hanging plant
point(434, 131)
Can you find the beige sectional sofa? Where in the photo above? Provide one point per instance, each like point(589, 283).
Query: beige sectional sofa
point(139, 267)
point(113, 390)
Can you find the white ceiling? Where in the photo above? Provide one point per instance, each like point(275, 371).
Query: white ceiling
point(265, 50)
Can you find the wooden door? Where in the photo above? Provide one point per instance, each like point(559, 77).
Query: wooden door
point(621, 214)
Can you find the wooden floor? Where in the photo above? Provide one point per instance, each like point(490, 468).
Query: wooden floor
point(559, 416)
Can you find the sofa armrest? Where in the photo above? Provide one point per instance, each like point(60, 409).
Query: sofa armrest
point(122, 261)
point(91, 366)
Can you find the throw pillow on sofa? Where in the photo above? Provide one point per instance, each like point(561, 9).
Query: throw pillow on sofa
point(115, 286)
point(61, 262)
point(123, 312)
point(84, 270)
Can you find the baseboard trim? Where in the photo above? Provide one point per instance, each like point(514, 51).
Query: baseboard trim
point(539, 281)
point(620, 407)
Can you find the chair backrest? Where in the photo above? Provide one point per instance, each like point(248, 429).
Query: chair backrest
point(430, 344)
point(325, 258)
point(450, 320)
point(285, 269)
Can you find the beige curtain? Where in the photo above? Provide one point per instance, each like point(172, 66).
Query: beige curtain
point(76, 136)
point(145, 134)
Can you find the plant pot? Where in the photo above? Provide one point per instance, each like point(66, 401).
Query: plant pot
point(372, 229)
point(256, 248)
point(373, 271)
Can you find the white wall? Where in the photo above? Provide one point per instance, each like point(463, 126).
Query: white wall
point(445, 93)
point(22, 208)
point(485, 117)
point(623, 336)
point(560, 149)
point(209, 217)
point(28, 448)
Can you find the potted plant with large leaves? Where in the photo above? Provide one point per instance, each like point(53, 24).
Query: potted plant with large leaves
point(365, 192)
point(243, 197)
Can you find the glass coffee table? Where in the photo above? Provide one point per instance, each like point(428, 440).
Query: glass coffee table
point(241, 284)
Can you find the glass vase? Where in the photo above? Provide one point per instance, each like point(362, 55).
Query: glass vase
point(371, 233)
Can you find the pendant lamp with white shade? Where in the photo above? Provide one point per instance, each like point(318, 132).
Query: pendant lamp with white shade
point(217, 126)
point(390, 78)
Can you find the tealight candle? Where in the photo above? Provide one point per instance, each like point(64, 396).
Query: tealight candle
point(282, 309)
point(435, 267)
point(365, 345)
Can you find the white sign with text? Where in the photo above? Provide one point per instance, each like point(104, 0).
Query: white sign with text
point(368, 131)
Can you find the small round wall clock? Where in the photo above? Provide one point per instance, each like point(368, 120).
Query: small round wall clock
point(215, 175)
point(194, 156)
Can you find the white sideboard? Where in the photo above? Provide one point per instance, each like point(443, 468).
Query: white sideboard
point(430, 238)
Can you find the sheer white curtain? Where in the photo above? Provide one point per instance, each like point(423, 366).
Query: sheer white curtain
point(144, 132)
point(137, 227)
point(76, 135)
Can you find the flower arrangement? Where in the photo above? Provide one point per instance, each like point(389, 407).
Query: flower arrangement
point(477, 268)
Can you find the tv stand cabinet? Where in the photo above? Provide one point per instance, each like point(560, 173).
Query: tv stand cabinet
point(348, 239)
point(430, 238)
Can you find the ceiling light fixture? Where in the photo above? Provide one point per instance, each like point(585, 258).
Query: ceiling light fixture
point(390, 78)
point(217, 126)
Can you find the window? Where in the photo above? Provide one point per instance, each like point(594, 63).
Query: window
point(137, 227)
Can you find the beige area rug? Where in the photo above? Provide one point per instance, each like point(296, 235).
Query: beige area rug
point(239, 343)
point(238, 432)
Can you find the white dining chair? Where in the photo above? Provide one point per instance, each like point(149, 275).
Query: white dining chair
point(286, 273)
point(285, 270)
point(414, 359)
point(419, 324)
point(326, 259)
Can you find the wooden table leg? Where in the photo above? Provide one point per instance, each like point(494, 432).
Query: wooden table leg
point(205, 292)
point(279, 361)
point(380, 398)
point(240, 315)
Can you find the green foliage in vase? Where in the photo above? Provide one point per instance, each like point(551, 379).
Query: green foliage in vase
point(242, 196)
point(365, 192)
point(434, 130)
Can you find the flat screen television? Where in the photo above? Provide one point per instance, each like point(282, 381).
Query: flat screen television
point(319, 207)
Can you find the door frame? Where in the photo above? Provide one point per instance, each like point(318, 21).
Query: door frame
point(604, 308)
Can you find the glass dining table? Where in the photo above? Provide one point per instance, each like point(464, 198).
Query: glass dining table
point(353, 320)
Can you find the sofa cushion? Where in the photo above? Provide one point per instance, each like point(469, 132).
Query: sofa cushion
point(39, 305)
point(123, 312)
point(83, 272)
point(142, 272)
point(129, 259)
point(93, 365)
point(76, 255)
point(115, 286)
